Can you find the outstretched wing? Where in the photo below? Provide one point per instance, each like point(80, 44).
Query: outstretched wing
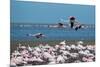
point(62, 20)
point(31, 35)
point(77, 22)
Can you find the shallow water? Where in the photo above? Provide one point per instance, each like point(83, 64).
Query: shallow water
point(19, 32)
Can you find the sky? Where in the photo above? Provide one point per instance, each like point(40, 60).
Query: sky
point(50, 13)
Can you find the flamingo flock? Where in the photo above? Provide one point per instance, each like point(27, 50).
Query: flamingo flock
point(57, 54)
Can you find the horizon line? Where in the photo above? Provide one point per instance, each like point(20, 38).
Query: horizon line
point(45, 23)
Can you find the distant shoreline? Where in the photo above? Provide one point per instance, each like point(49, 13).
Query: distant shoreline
point(42, 23)
point(55, 25)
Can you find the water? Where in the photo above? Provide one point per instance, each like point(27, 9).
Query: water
point(19, 32)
